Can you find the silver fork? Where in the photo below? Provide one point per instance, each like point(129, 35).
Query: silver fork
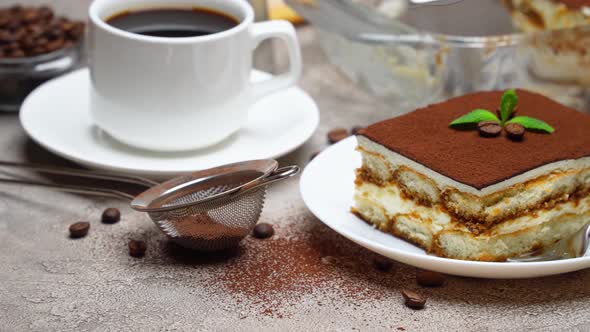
point(576, 246)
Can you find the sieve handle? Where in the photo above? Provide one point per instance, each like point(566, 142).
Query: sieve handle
point(81, 173)
point(277, 175)
point(72, 189)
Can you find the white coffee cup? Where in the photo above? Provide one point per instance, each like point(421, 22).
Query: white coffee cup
point(173, 94)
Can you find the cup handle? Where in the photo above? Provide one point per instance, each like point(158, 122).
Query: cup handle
point(285, 31)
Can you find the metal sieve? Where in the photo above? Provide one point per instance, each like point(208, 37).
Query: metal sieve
point(206, 210)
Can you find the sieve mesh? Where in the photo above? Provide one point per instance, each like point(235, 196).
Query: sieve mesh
point(212, 224)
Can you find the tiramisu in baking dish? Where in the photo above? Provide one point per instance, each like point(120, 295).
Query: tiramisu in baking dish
point(533, 15)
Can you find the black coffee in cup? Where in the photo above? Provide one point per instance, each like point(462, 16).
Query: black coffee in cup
point(173, 22)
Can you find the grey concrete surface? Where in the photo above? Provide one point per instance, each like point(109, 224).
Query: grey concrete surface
point(49, 282)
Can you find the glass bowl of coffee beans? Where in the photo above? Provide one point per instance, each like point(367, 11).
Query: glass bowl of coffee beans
point(35, 45)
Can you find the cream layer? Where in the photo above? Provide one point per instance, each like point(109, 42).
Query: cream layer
point(435, 230)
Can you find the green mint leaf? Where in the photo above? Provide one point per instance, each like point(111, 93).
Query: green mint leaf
point(532, 123)
point(475, 116)
point(507, 105)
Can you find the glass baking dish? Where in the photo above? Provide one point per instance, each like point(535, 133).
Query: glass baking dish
point(415, 55)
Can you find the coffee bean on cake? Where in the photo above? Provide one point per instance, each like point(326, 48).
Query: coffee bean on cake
point(489, 128)
point(515, 131)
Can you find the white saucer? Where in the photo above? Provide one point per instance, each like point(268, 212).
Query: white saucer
point(327, 187)
point(56, 116)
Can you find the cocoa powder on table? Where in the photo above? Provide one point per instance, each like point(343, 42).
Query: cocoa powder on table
point(274, 274)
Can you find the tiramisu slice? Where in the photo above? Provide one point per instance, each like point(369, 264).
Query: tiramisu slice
point(478, 195)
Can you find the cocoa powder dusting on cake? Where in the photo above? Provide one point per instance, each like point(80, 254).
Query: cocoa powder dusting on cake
point(425, 137)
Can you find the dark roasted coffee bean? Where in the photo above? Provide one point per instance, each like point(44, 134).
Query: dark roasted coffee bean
point(489, 128)
point(14, 46)
point(383, 264)
point(515, 131)
point(28, 43)
point(30, 16)
point(13, 24)
point(413, 300)
point(19, 33)
point(46, 12)
point(355, 130)
point(38, 50)
point(54, 45)
point(336, 135)
point(111, 216)
point(137, 248)
point(79, 229)
point(6, 36)
point(16, 8)
point(54, 34)
point(263, 231)
point(42, 42)
point(34, 31)
point(17, 54)
point(66, 26)
point(77, 31)
point(430, 279)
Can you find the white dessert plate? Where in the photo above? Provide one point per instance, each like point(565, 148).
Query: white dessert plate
point(56, 116)
point(327, 186)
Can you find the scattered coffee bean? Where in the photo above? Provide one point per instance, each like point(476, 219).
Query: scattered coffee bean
point(263, 231)
point(515, 131)
point(79, 229)
point(489, 128)
point(355, 130)
point(137, 248)
point(413, 300)
point(336, 135)
point(430, 279)
point(383, 264)
point(111, 216)
point(30, 31)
